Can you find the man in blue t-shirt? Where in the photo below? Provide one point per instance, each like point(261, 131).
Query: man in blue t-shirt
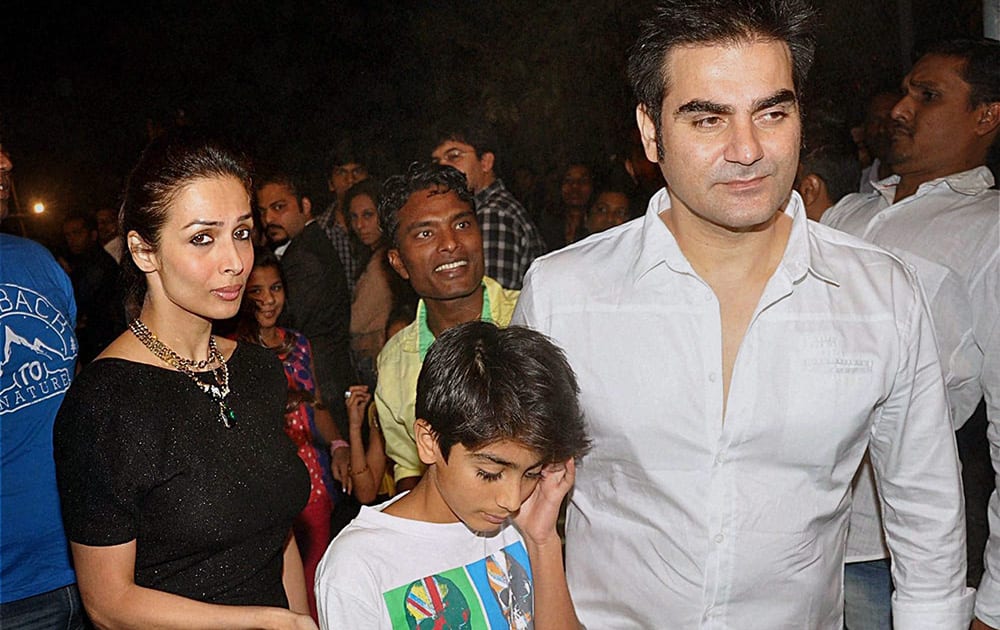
point(37, 357)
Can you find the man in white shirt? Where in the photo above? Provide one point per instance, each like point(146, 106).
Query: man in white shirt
point(940, 215)
point(735, 361)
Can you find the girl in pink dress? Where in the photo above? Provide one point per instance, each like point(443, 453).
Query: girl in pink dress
point(307, 421)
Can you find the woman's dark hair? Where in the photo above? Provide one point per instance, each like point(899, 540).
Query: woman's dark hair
point(480, 384)
point(362, 253)
point(167, 166)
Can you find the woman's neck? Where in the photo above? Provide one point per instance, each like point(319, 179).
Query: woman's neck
point(185, 333)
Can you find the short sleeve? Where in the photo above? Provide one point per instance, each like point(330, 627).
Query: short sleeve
point(101, 462)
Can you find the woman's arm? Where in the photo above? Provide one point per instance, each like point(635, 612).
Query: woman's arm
point(328, 434)
point(106, 579)
point(293, 578)
point(537, 523)
point(375, 456)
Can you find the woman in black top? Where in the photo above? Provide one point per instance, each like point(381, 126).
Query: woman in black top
point(177, 481)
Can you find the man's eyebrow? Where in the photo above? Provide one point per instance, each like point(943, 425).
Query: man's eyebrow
point(698, 106)
point(778, 98)
point(924, 85)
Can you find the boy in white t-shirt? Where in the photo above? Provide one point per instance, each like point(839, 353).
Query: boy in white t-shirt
point(474, 544)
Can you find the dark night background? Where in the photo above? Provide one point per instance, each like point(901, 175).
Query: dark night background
point(78, 83)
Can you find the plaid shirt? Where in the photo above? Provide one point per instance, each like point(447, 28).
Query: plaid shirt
point(510, 239)
point(342, 243)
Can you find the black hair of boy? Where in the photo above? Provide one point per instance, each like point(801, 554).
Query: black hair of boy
point(481, 384)
point(396, 191)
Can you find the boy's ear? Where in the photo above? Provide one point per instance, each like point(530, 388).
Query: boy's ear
point(427, 444)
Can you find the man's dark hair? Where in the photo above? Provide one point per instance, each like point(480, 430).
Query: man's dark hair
point(705, 22)
point(345, 151)
point(471, 130)
point(828, 151)
point(981, 69)
point(276, 174)
point(481, 384)
point(89, 219)
point(419, 176)
point(835, 161)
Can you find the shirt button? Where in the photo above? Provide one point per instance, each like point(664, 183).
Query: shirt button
point(719, 538)
point(712, 377)
point(720, 459)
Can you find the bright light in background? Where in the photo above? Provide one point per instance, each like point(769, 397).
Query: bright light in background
point(39, 207)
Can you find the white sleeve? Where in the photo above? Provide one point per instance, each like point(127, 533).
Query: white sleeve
point(918, 476)
point(988, 600)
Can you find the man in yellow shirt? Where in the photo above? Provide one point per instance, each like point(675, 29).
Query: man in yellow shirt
point(429, 215)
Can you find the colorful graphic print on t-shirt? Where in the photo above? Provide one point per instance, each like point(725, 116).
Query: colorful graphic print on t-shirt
point(492, 593)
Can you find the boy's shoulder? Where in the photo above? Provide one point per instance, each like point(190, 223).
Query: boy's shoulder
point(380, 565)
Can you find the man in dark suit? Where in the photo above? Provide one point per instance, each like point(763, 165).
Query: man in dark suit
point(317, 303)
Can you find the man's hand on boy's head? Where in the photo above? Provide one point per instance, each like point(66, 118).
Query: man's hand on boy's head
point(538, 514)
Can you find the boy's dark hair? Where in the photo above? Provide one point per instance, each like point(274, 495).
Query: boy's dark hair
point(981, 69)
point(678, 23)
point(419, 176)
point(471, 130)
point(480, 384)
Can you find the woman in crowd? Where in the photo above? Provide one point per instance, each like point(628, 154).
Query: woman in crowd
point(611, 205)
point(306, 416)
point(564, 224)
point(178, 485)
point(377, 285)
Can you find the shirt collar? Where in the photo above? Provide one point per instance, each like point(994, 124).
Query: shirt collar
point(658, 246)
point(485, 193)
point(970, 182)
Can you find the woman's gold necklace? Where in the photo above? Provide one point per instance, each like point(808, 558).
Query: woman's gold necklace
point(217, 392)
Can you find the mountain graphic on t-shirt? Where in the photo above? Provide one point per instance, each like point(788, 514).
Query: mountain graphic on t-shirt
point(19, 351)
point(36, 347)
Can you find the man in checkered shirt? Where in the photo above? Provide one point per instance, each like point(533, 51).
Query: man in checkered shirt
point(510, 239)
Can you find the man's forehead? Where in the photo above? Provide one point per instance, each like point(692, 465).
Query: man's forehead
point(701, 66)
point(437, 203)
point(274, 191)
point(452, 143)
point(937, 69)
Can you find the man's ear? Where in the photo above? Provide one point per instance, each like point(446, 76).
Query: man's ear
point(989, 119)
point(487, 161)
point(397, 263)
point(307, 207)
point(142, 252)
point(427, 444)
point(810, 187)
point(647, 131)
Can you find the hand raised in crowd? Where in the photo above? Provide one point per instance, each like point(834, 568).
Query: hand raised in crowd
point(357, 406)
